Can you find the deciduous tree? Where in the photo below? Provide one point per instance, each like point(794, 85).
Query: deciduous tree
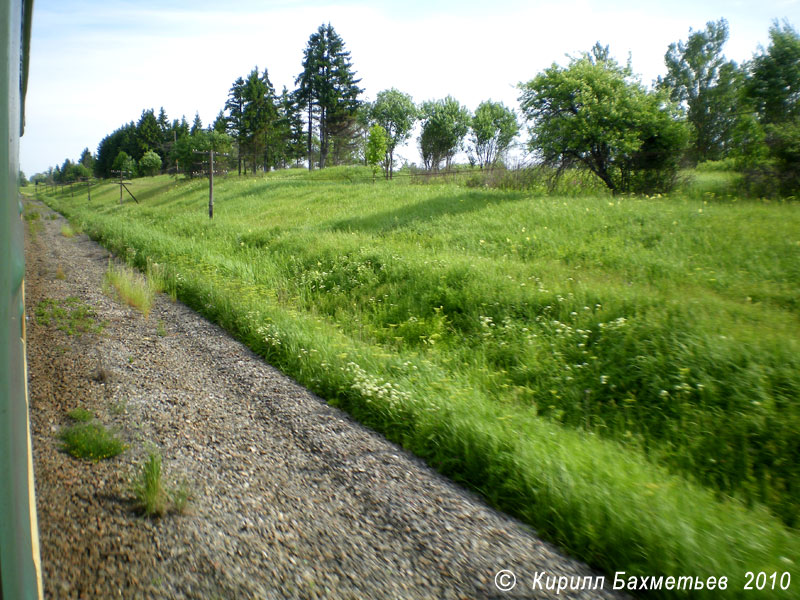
point(396, 113)
point(375, 152)
point(124, 162)
point(594, 114)
point(445, 123)
point(773, 82)
point(706, 85)
point(494, 127)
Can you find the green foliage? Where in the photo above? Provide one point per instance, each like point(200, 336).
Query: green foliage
point(69, 315)
point(717, 166)
point(259, 118)
point(121, 140)
point(457, 322)
point(768, 140)
point(445, 123)
point(197, 125)
point(327, 89)
point(87, 160)
point(234, 105)
point(593, 114)
point(125, 163)
point(701, 80)
point(773, 83)
point(148, 134)
point(493, 129)
point(150, 164)
point(71, 172)
point(186, 149)
point(396, 113)
point(376, 148)
point(151, 133)
point(783, 141)
point(90, 441)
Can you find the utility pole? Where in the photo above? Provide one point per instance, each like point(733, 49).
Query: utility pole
point(122, 183)
point(210, 154)
point(88, 181)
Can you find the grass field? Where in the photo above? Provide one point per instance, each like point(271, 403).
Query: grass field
point(620, 372)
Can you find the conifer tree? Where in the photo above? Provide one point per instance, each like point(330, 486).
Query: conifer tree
point(328, 90)
point(235, 107)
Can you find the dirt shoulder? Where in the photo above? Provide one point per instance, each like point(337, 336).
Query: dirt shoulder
point(291, 498)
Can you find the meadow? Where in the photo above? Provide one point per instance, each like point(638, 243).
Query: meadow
point(620, 372)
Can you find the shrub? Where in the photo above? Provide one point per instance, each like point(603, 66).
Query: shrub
point(150, 164)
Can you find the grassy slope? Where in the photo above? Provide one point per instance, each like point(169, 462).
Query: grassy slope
point(474, 325)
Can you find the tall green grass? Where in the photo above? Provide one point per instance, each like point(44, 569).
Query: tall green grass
point(131, 287)
point(622, 373)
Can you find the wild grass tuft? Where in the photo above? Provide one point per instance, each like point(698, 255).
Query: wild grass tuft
point(181, 496)
point(90, 441)
point(162, 279)
point(151, 497)
point(67, 231)
point(80, 415)
point(32, 215)
point(131, 287)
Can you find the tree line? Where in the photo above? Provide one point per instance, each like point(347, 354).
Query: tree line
point(592, 113)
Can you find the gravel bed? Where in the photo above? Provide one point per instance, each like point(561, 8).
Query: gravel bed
point(290, 497)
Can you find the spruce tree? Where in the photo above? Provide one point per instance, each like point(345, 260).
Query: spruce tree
point(327, 90)
point(235, 107)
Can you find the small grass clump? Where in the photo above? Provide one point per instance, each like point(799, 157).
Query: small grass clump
point(69, 315)
point(131, 287)
point(35, 226)
point(153, 498)
point(32, 215)
point(180, 497)
point(67, 231)
point(90, 441)
point(81, 415)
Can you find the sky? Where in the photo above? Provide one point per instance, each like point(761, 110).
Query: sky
point(97, 64)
